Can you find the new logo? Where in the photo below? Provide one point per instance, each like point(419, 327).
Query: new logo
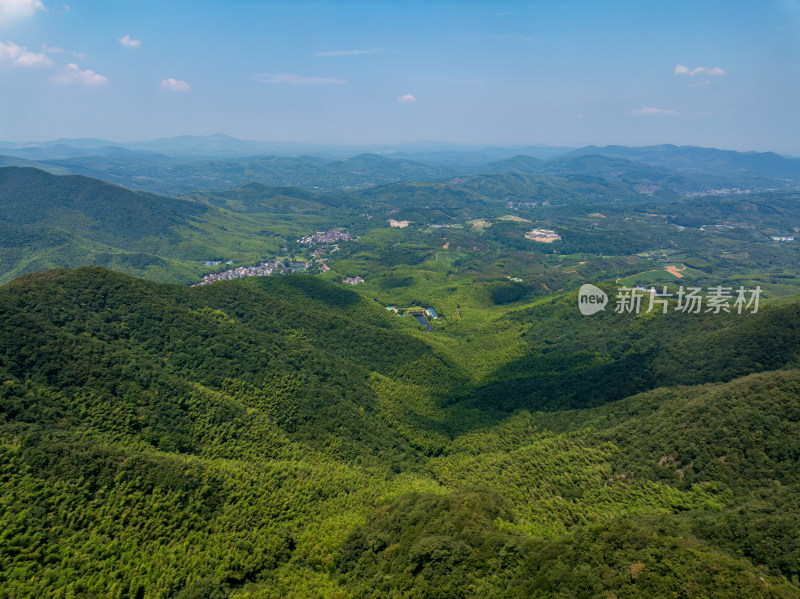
point(591, 299)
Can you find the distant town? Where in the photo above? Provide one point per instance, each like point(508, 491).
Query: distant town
point(326, 237)
point(264, 269)
point(319, 244)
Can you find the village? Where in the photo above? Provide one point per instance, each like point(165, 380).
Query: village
point(323, 242)
point(326, 237)
point(264, 269)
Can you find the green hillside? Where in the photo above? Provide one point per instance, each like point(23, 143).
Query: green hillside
point(284, 436)
point(49, 221)
point(610, 229)
point(254, 198)
point(31, 197)
point(172, 175)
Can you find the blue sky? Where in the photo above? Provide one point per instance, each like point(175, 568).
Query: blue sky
point(565, 72)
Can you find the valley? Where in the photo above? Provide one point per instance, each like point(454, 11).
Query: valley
point(274, 431)
point(399, 300)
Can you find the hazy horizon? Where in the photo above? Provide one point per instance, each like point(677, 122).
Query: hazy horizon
point(379, 147)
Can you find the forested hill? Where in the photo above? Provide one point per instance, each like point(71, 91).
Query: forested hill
point(255, 197)
point(30, 196)
point(705, 160)
point(287, 437)
point(169, 175)
point(49, 221)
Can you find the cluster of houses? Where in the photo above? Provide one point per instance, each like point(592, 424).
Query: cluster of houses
point(353, 280)
point(725, 191)
point(326, 237)
point(518, 205)
point(264, 269)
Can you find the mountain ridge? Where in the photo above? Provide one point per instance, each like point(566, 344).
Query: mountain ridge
point(272, 423)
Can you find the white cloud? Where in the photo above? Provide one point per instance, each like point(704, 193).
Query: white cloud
point(297, 79)
point(18, 9)
point(129, 42)
point(18, 56)
point(407, 98)
point(684, 70)
point(651, 111)
point(79, 55)
point(349, 52)
point(174, 85)
point(73, 75)
point(52, 49)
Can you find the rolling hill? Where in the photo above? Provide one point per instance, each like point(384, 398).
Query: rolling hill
point(185, 165)
point(258, 198)
point(180, 175)
point(48, 221)
point(704, 160)
point(283, 436)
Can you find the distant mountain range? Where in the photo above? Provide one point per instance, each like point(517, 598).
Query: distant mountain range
point(219, 145)
point(188, 164)
point(706, 160)
point(159, 173)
